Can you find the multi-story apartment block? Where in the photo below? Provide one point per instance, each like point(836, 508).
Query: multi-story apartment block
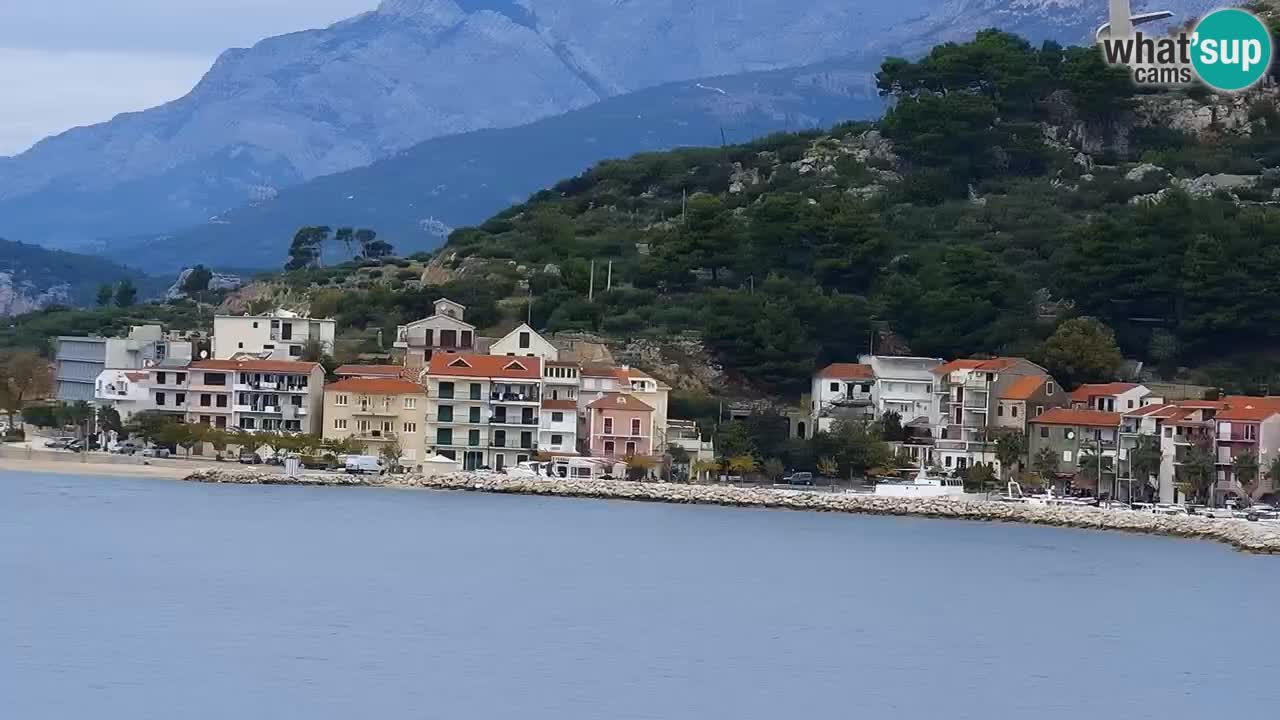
point(168, 387)
point(263, 395)
point(561, 380)
point(840, 390)
point(686, 435)
point(1176, 427)
point(597, 379)
point(1112, 397)
point(483, 409)
point(524, 342)
point(558, 426)
point(619, 425)
point(971, 396)
point(281, 335)
point(903, 385)
point(1246, 426)
point(124, 390)
point(1071, 434)
point(378, 411)
point(444, 331)
point(80, 360)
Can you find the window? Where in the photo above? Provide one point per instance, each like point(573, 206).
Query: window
point(286, 331)
point(557, 439)
point(500, 438)
point(947, 461)
point(221, 401)
point(524, 341)
point(1013, 411)
point(410, 428)
point(466, 338)
point(247, 423)
point(1044, 431)
point(608, 447)
point(445, 390)
point(1066, 456)
point(444, 413)
point(635, 426)
point(180, 378)
point(475, 391)
point(557, 417)
point(341, 400)
point(835, 387)
point(449, 338)
point(339, 424)
point(160, 377)
point(268, 347)
point(362, 426)
point(1000, 411)
point(631, 449)
point(526, 440)
point(444, 436)
point(297, 401)
point(1250, 432)
point(608, 426)
point(1048, 388)
point(206, 400)
point(473, 438)
point(1039, 410)
point(295, 351)
point(451, 454)
point(1130, 404)
point(218, 379)
point(411, 403)
point(160, 399)
point(475, 415)
point(255, 325)
point(388, 427)
point(240, 346)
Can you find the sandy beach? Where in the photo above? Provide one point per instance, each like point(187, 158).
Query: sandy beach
point(44, 461)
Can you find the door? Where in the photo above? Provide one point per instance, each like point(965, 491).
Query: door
point(499, 461)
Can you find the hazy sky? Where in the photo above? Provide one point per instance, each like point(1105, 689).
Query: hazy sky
point(65, 63)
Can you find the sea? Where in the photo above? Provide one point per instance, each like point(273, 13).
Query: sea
point(124, 599)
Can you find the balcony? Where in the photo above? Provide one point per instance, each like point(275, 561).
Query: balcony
point(852, 399)
point(375, 436)
point(510, 421)
point(375, 410)
point(264, 409)
point(515, 398)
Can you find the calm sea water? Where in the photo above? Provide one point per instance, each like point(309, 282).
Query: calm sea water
point(156, 599)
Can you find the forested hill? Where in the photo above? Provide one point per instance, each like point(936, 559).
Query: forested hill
point(32, 277)
point(1008, 189)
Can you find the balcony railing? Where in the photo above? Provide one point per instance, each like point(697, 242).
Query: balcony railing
point(531, 397)
point(502, 420)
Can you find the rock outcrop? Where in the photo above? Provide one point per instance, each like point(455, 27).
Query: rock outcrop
point(1244, 535)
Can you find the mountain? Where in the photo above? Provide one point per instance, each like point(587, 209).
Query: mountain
point(32, 277)
point(313, 103)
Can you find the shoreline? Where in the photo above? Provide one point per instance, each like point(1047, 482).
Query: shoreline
point(1248, 537)
point(68, 463)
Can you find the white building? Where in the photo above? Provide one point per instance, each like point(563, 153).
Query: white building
point(124, 390)
point(1113, 397)
point(558, 427)
point(281, 335)
point(840, 390)
point(80, 360)
point(444, 331)
point(524, 342)
point(904, 385)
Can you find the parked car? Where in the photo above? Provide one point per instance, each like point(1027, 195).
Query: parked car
point(319, 462)
point(60, 443)
point(156, 452)
point(365, 465)
point(249, 457)
point(799, 478)
point(128, 447)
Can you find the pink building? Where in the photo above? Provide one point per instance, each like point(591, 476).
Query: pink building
point(619, 426)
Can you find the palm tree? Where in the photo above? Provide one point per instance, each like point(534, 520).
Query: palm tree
point(1244, 468)
point(1045, 465)
point(1011, 447)
point(1144, 462)
point(1196, 477)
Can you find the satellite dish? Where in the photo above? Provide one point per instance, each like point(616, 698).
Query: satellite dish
point(204, 354)
point(1071, 434)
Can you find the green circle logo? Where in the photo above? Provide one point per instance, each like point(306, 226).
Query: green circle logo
point(1231, 50)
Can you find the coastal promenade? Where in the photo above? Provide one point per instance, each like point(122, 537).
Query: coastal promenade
point(1246, 536)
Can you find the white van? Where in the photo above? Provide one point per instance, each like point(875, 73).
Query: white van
point(365, 465)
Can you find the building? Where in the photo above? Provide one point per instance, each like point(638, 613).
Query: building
point(124, 390)
point(686, 435)
point(970, 395)
point(558, 427)
point(378, 411)
point(619, 425)
point(263, 395)
point(369, 371)
point(840, 390)
point(606, 379)
point(524, 342)
point(903, 385)
point(1074, 434)
point(168, 388)
point(1112, 397)
point(483, 409)
point(443, 331)
point(1246, 426)
point(281, 335)
point(79, 361)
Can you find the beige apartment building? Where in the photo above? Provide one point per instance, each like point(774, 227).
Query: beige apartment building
point(256, 395)
point(378, 412)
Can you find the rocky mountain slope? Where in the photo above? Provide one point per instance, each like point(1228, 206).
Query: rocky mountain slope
point(312, 103)
point(32, 277)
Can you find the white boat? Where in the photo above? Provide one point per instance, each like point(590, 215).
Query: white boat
point(923, 485)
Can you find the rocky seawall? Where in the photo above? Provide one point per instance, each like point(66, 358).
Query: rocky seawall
point(1246, 536)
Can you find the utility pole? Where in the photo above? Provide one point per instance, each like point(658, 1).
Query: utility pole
point(608, 285)
point(684, 206)
point(529, 314)
point(591, 285)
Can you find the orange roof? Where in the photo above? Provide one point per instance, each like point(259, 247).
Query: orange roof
point(271, 366)
point(992, 364)
point(618, 401)
point(559, 404)
point(1154, 409)
point(1084, 392)
point(369, 370)
point(1248, 411)
point(1068, 416)
point(1270, 401)
point(377, 386)
point(1024, 387)
point(847, 371)
point(485, 366)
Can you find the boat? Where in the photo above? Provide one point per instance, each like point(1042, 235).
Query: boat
point(923, 485)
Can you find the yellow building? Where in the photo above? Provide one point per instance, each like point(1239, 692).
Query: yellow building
point(379, 412)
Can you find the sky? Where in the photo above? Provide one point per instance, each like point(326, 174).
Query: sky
point(66, 63)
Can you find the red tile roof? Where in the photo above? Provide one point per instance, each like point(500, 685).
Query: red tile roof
point(847, 371)
point(1086, 418)
point(1270, 401)
point(1248, 412)
point(377, 386)
point(992, 365)
point(1084, 392)
point(618, 401)
point(1024, 387)
point(369, 371)
point(559, 404)
point(270, 366)
point(485, 366)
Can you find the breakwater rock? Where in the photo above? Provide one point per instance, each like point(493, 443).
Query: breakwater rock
point(1247, 536)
